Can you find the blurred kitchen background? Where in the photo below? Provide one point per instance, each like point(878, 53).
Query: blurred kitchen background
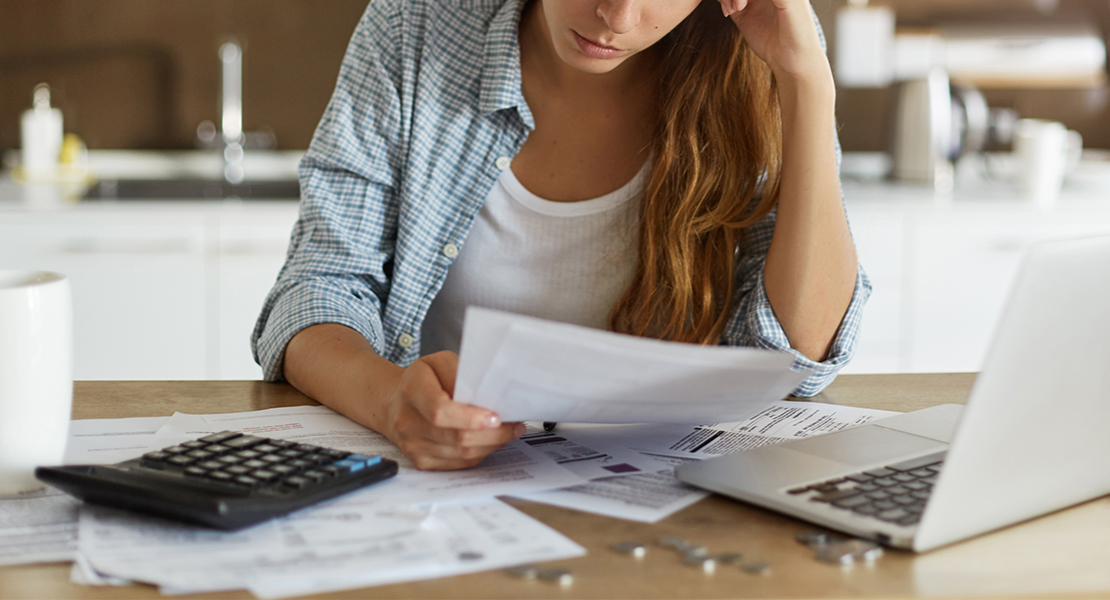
point(173, 201)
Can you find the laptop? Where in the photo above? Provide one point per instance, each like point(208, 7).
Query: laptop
point(1033, 437)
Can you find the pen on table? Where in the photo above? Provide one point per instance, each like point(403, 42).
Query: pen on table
point(549, 425)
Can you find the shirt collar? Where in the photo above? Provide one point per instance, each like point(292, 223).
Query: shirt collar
point(501, 79)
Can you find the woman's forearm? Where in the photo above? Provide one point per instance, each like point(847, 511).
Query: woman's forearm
point(811, 265)
point(336, 366)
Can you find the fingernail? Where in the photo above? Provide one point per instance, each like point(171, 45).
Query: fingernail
point(493, 421)
point(520, 429)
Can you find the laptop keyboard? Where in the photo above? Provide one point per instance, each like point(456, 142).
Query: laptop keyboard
point(896, 493)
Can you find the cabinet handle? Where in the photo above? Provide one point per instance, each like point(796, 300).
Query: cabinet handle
point(90, 246)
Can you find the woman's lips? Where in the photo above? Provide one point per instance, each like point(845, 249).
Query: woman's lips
point(595, 50)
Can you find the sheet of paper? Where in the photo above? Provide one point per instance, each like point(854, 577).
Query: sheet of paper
point(600, 459)
point(515, 468)
point(785, 420)
point(528, 369)
point(41, 526)
point(106, 441)
point(651, 498)
point(340, 545)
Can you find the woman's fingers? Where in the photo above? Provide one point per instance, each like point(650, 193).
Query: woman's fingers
point(436, 432)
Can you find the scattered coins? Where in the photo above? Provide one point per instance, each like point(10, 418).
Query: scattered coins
point(833, 549)
point(756, 568)
point(814, 539)
point(707, 564)
point(673, 542)
point(848, 552)
point(524, 571)
point(693, 550)
point(633, 549)
point(729, 558)
point(562, 577)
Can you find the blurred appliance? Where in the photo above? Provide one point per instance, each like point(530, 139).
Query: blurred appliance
point(923, 131)
point(938, 122)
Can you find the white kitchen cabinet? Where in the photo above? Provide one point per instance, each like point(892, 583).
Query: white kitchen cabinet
point(162, 290)
point(138, 284)
point(252, 248)
point(942, 269)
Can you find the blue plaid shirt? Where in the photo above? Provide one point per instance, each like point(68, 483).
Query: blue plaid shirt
point(427, 112)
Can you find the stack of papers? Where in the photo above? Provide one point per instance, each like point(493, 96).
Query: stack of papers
point(420, 524)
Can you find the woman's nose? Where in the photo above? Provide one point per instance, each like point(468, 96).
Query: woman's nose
point(621, 16)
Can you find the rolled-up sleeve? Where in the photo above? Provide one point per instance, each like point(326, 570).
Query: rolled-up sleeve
point(754, 322)
point(337, 269)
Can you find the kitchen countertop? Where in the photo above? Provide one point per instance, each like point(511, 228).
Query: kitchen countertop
point(980, 184)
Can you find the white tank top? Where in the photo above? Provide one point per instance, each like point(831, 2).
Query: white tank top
point(563, 261)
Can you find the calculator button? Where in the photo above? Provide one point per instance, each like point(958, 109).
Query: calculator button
point(220, 476)
point(308, 448)
point(283, 443)
point(273, 458)
point(194, 444)
point(300, 464)
point(216, 448)
point(196, 471)
point(298, 482)
point(290, 453)
point(248, 454)
point(316, 476)
point(265, 448)
point(230, 459)
point(221, 437)
point(317, 458)
point(181, 460)
point(156, 456)
point(333, 470)
point(335, 453)
point(350, 466)
point(263, 475)
point(246, 480)
point(237, 470)
point(176, 450)
point(369, 460)
point(282, 469)
point(245, 441)
point(199, 454)
point(211, 465)
point(255, 464)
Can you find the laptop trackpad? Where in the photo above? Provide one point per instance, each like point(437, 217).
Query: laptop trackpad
point(867, 445)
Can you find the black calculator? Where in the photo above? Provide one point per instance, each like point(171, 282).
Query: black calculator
point(226, 480)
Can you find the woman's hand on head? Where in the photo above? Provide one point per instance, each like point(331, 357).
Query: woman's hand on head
point(784, 35)
point(434, 431)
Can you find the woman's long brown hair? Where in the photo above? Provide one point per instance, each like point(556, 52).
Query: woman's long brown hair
point(716, 157)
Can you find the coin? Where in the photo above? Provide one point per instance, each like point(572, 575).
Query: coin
point(561, 576)
point(633, 549)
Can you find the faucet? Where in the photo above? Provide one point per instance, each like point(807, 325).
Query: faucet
point(231, 138)
point(231, 114)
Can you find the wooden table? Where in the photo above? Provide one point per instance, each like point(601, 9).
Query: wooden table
point(1063, 554)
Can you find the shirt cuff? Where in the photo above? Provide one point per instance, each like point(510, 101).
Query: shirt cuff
point(768, 333)
point(305, 304)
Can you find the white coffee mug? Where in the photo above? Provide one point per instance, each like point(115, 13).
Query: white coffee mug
point(36, 374)
point(1042, 152)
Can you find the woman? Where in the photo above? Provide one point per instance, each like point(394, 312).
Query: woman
point(646, 166)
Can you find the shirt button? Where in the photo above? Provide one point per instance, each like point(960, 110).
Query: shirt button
point(405, 340)
point(503, 162)
point(450, 250)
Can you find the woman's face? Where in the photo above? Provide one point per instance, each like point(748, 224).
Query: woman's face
point(597, 36)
